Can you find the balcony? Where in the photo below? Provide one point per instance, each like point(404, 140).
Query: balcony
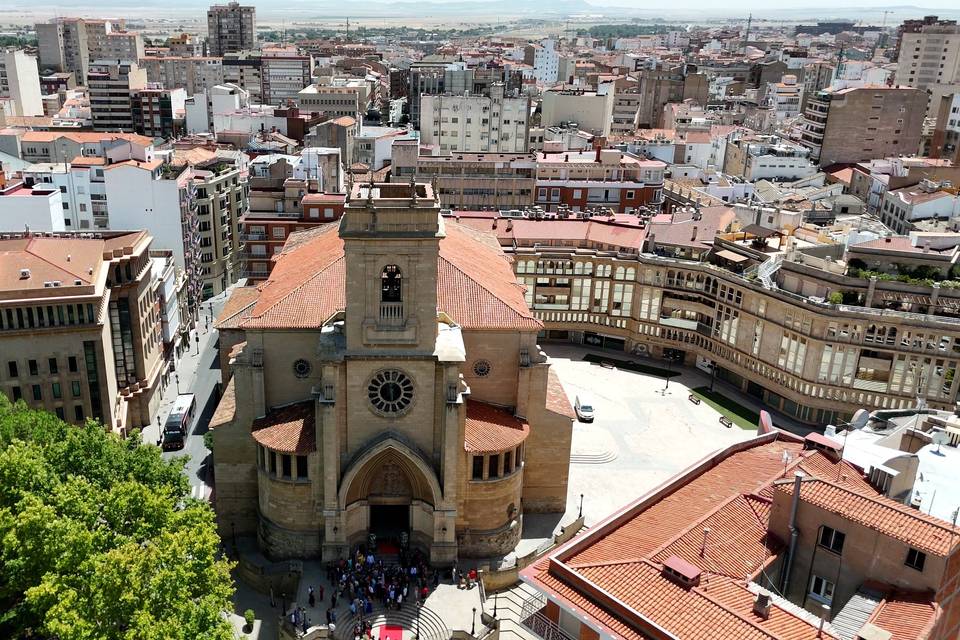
point(391, 314)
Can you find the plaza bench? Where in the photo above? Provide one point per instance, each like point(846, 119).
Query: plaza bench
point(694, 399)
point(725, 421)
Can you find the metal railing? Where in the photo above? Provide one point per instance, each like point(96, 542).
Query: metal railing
point(391, 313)
point(539, 624)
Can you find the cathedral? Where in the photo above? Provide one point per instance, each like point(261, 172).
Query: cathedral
point(386, 380)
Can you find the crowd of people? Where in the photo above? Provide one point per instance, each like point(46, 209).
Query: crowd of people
point(363, 579)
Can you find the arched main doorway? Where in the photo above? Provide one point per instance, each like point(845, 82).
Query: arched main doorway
point(390, 490)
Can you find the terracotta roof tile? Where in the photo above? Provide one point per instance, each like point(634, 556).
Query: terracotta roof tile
point(241, 299)
point(490, 429)
point(887, 516)
point(475, 283)
point(290, 429)
point(906, 616)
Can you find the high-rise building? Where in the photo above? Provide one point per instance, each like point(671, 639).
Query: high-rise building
point(859, 123)
point(284, 72)
point(245, 70)
point(71, 44)
point(20, 83)
point(231, 27)
point(929, 59)
point(110, 83)
point(476, 123)
point(79, 327)
point(159, 112)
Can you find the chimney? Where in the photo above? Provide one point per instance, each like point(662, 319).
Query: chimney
point(509, 225)
point(761, 606)
point(693, 236)
point(494, 223)
point(597, 156)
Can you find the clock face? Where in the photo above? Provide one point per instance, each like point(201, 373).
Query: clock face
point(390, 392)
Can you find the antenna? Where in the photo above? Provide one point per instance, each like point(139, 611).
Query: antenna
point(746, 36)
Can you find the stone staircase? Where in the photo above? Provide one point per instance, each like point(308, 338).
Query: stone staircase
point(431, 625)
point(510, 610)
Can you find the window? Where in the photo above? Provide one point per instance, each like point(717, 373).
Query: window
point(915, 559)
point(278, 232)
point(477, 468)
point(390, 284)
point(57, 392)
point(493, 469)
point(52, 363)
point(831, 539)
point(17, 394)
point(37, 392)
point(12, 367)
point(60, 414)
point(75, 388)
point(507, 462)
point(78, 412)
point(34, 369)
point(273, 463)
point(301, 467)
point(285, 465)
point(821, 589)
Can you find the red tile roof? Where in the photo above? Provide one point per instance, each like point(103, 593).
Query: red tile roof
point(907, 616)
point(490, 429)
point(729, 493)
point(241, 299)
point(288, 429)
point(476, 286)
point(882, 514)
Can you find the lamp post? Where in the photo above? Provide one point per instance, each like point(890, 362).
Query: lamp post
point(580, 514)
point(159, 430)
point(495, 594)
point(419, 605)
point(713, 374)
point(176, 377)
point(473, 625)
point(197, 336)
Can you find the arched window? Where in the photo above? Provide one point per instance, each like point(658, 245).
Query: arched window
point(390, 284)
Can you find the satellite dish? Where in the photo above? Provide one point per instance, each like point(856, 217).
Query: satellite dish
point(860, 419)
point(940, 438)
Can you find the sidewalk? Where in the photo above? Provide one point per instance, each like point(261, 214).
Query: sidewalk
point(187, 365)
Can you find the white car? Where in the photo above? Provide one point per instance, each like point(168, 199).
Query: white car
point(584, 408)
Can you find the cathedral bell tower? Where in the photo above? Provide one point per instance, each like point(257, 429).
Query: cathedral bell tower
point(391, 235)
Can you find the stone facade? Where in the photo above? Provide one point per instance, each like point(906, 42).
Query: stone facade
point(365, 415)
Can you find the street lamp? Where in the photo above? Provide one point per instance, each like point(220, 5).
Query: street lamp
point(713, 374)
point(473, 625)
point(580, 515)
point(495, 594)
point(419, 605)
point(197, 336)
point(176, 377)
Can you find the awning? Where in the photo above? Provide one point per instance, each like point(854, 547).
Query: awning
point(760, 232)
point(731, 256)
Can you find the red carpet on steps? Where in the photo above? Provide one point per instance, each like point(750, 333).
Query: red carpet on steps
point(387, 548)
point(391, 632)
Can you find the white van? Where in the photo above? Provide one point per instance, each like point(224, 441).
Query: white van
point(584, 408)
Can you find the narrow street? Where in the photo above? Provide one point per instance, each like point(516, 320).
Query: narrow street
point(197, 372)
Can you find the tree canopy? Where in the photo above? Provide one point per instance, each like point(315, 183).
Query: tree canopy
point(99, 540)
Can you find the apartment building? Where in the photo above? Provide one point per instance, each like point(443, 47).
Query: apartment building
point(468, 180)
point(72, 44)
point(436, 78)
point(590, 110)
point(341, 97)
point(30, 206)
point(784, 97)
point(599, 179)
point(853, 124)
point(193, 74)
point(625, 116)
point(265, 228)
point(870, 180)
point(161, 199)
point(685, 290)
point(929, 56)
point(222, 192)
point(66, 146)
point(81, 185)
point(946, 136)
point(902, 208)
point(776, 537)
point(476, 123)
point(668, 83)
point(20, 83)
point(284, 72)
point(111, 85)
point(766, 157)
point(121, 45)
point(231, 27)
point(245, 70)
point(80, 326)
point(545, 59)
point(159, 112)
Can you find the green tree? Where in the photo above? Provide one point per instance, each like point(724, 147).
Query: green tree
point(98, 539)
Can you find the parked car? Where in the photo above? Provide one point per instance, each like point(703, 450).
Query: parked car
point(584, 408)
